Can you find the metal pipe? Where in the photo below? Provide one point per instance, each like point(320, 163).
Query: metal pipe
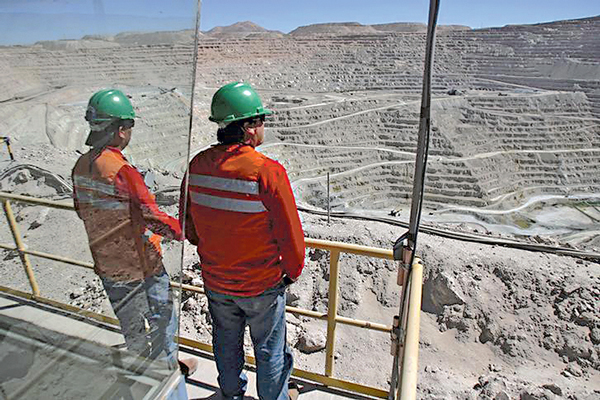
point(191, 288)
point(6, 140)
point(349, 248)
point(406, 245)
point(341, 320)
point(328, 201)
point(408, 383)
point(111, 233)
point(36, 201)
point(364, 324)
point(332, 306)
point(306, 313)
point(62, 306)
point(50, 257)
point(14, 229)
point(398, 338)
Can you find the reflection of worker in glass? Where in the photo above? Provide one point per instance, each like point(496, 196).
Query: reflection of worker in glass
point(242, 216)
point(123, 224)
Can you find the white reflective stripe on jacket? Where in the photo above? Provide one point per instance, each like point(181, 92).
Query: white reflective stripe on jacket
point(85, 182)
point(97, 194)
point(228, 185)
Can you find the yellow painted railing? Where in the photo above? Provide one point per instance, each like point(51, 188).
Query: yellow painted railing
point(408, 373)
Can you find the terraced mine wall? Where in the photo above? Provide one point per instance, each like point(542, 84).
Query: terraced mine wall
point(45, 93)
point(515, 109)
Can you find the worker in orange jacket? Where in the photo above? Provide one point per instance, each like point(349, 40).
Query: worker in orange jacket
point(242, 215)
point(124, 228)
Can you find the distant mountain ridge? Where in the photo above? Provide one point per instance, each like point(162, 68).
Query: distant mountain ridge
point(340, 28)
point(249, 29)
point(355, 28)
point(240, 29)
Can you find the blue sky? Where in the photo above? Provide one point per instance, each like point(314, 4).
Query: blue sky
point(286, 15)
point(27, 21)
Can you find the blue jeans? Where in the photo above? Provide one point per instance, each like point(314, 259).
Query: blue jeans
point(151, 300)
point(265, 314)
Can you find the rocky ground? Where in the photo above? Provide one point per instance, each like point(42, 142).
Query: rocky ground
point(497, 323)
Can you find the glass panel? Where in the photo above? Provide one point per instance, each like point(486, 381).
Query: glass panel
point(513, 152)
point(95, 106)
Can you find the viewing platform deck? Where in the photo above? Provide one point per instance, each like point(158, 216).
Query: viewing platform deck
point(50, 353)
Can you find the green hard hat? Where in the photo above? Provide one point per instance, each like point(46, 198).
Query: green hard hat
point(108, 105)
point(236, 101)
point(104, 107)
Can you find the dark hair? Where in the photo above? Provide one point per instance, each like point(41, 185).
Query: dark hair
point(232, 133)
point(126, 123)
point(115, 124)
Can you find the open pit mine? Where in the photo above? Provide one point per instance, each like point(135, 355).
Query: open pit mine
point(514, 154)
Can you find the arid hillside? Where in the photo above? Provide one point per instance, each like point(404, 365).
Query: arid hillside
point(515, 130)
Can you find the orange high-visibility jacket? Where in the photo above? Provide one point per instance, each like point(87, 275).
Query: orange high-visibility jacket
point(120, 216)
point(242, 215)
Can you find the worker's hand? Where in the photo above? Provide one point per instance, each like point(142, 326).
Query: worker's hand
point(287, 281)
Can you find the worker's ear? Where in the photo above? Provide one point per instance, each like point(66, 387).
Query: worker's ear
point(250, 131)
point(122, 132)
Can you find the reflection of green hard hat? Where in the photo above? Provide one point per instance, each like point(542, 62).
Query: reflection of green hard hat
point(105, 107)
point(236, 101)
point(108, 105)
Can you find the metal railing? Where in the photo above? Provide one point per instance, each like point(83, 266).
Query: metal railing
point(408, 381)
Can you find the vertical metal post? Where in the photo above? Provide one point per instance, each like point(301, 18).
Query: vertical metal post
point(6, 140)
point(328, 203)
point(398, 336)
point(332, 306)
point(14, 228)
point(408, 379)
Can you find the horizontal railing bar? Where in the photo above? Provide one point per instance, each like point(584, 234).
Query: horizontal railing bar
point(332, 382)
point(196, 289)
point(364, 324)
point(36, 201)
point(307, 313)
point(349, 248)
point(50, 256)
point(189, 288)
point(62, 306)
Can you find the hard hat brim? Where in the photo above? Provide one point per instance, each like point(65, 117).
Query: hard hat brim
point(227, 120)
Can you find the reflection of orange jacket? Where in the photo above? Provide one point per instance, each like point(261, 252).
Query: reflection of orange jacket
point(242, 215)
point(120, 215)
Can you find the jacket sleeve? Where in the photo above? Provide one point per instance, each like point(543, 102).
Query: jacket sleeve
point(186, 216)
point(130, 181)
point(277, 196)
